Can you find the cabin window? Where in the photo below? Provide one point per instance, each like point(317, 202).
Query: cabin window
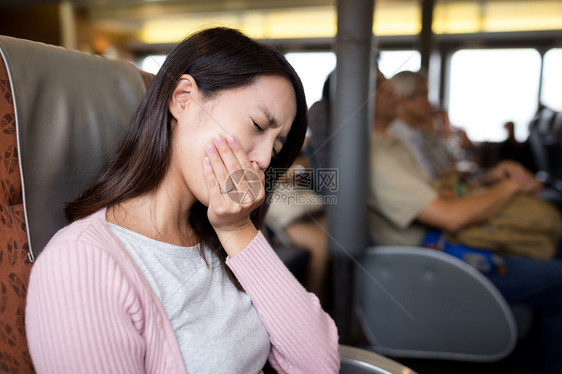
point(152, 63)
point(489, 87)
point(392, 62)
point(313, 68)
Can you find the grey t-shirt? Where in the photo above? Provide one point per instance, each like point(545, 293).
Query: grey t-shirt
point(217, 327)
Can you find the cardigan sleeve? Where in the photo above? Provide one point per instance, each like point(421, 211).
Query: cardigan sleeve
point(82, 315)
point(304, 339)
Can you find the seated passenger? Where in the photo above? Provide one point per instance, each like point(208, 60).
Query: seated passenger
point(297, 210)
point(403, 205)
point(414, 125)
point(509, 231)
point(163, 269)
point(512, 149)
point(319, 127)
point(318, 148)
point(455, 138)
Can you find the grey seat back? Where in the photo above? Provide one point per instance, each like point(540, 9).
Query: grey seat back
point(415, 302)
point(71, 110)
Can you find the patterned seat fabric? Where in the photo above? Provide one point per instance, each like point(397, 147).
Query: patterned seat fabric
point(14, 263)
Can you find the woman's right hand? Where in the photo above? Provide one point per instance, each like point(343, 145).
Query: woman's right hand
point(236, 189)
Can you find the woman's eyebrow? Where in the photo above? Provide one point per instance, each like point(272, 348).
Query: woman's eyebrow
point(271, 120)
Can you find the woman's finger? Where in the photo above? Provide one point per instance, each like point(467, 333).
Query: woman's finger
point(217, 165)
point(211, 180)
point(241, 184)
point(227, 155)
point(239, 152)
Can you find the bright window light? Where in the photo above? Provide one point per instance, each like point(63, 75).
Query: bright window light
point(152, 63)
point(489, 87)
point(392, 62)
point(313, 68)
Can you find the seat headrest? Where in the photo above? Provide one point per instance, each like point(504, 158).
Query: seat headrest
point(72, 109)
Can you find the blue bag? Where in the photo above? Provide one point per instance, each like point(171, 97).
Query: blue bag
point(483, 260)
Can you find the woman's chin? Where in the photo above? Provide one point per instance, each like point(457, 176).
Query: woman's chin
point(204, 200)
point(201, 195)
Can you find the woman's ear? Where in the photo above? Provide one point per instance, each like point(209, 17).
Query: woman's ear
point(186, 90)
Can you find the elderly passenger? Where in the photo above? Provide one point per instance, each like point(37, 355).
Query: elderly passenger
point(403, 205)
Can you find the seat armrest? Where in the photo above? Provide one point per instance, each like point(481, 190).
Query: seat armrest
point(360, 361)
point(418, 302)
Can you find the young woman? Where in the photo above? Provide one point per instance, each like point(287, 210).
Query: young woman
point(163, 269)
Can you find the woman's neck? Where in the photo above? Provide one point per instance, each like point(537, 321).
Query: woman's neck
point(160, 215)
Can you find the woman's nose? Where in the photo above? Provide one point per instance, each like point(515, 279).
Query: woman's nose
point(262, 156)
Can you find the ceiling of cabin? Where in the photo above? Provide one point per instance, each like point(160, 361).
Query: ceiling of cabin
point(154, 22)
point(194, 5)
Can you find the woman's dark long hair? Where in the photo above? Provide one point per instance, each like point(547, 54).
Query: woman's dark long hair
point(218, 59)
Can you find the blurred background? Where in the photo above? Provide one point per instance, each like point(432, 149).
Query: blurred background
point(512, 47)
point(490, 63)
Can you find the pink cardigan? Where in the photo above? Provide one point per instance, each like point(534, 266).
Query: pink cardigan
point(90, 309)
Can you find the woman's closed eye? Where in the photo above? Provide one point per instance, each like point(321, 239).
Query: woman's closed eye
point(260, 129)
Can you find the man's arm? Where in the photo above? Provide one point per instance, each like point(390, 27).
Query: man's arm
point(453, 214)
